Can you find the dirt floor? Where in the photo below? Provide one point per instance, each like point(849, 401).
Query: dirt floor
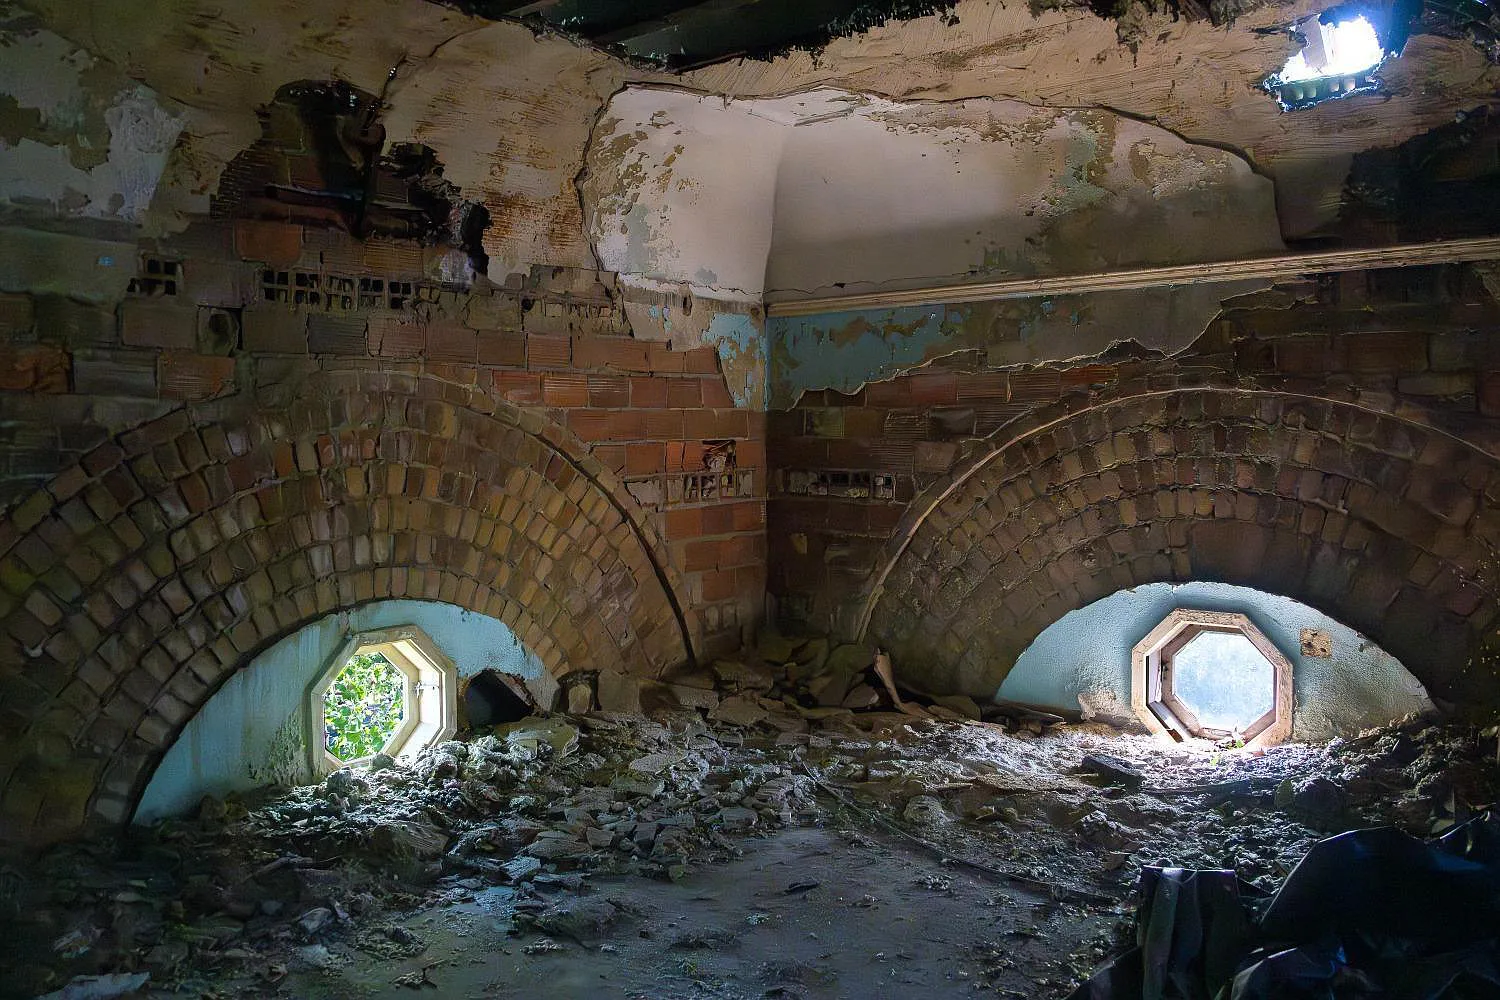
point(859, 855)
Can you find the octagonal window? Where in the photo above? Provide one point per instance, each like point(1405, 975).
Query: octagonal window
point(1212, 675)
point(1223, 680)
point(391, 691)
point(364, 707)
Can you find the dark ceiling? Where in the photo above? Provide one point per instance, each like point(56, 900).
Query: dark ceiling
point(683, 34)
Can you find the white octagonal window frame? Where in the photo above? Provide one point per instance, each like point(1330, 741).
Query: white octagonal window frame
point(1155, 702)
point(430, 695)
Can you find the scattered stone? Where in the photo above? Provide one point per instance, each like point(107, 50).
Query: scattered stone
point(315, 920)
point(737, 817)
point(316, 956)
point(528, 734)
point(554, 848)
point(775, 647)
point(962, 704)
point(409, 839)
point(109, 987)
point(850, 658)
point(925, 810)
point(619, 694)
point(1113, 769)
point(520, 869)
point(739, 711)
point(737, 677)
point(691, 696)
point(813, 655)
point(1318, 797)
point(656, 763)
point(861, 697)
point(582, 920)
point(830, 688)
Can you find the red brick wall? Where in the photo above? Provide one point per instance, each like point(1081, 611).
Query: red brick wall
point(189, 477)
point(1332, 441)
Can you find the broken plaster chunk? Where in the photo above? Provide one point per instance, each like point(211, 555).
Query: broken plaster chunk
point(619, 694)
point(580, 698)
point(925, 810)
point(1113, 769)
point(741, 677)
point(692, 696)
point(960, 703)
point(861, 697)
point(740, 711)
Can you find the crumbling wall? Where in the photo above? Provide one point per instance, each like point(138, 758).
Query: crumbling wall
point(253, 732)
point(1331, 441)
point(278, 421)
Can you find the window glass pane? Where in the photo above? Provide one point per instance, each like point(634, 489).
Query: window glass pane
point(1224, 680)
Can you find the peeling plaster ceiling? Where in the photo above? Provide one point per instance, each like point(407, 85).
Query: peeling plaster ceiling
point(840, 190)
point(511, 114)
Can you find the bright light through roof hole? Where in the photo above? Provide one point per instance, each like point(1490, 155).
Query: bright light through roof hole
point(1335, 50)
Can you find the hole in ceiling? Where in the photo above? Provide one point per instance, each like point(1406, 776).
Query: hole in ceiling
point(1339, 59)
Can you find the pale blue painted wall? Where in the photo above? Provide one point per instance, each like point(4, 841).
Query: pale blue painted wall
point(251, 732)
point(1087, 653)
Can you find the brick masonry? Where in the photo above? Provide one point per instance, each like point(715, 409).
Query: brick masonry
point(1331, 441)
point(191, 476)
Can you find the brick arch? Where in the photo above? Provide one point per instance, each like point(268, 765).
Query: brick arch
point(138, 581)
point(1379, 521)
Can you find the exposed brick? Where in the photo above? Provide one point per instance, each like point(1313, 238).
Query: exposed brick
point(565, 390)
point(1488, 391)
point(115, 373)
point(610, 391)
point(17, 317)
point(716, 393)
point(274, 330)
point(701, 361)
point(549, 352)
point(648, 392)
point(449, 340)
point(1385, 352)
point(158, 323)
point(684, 393)
point(336, 335)
point(194, 376)
point(396, 337)
point(33, 368)
point(274, 243)
point(644, 459)
point(505, 349)
point(522, 388)
point(76, 324)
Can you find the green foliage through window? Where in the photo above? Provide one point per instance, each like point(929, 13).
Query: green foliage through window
point(364, 707)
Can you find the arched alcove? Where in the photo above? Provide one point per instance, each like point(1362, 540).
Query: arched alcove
point(1374, 519)
point(1342, 681)
point(253, 731)
point(145, 576)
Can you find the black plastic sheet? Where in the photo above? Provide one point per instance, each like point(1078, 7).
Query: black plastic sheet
point(1369, 913)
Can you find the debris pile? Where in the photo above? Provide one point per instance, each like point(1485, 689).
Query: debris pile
point(243, 893)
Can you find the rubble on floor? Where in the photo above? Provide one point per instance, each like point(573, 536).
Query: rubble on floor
point(229, 901)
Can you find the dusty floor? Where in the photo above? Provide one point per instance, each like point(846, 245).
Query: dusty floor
point(613, 857)
point(810, 912)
